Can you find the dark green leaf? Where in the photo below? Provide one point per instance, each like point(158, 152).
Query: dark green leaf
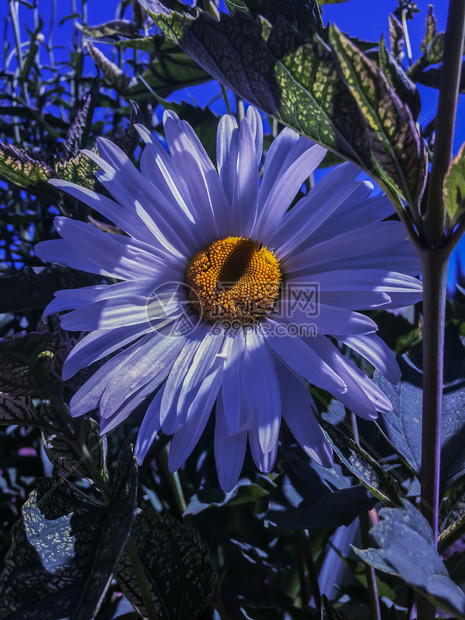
point(18, 167)
point(111, 31)
point(399, 80)
point(113, 74)
point(328, 612)
point(76, 137)
point(452, 515)
point(65, 456)
point(244, 492)
point(396, 37)
point(305, 15)
point(25, 291)
point(31, 363)
point(398, 151)
point(32, 51)
point(294, 77)
point(21, 410)
point(177, 565)
point(309, 496)
point(403, 425)
point(454, 187)
point(65, 548)
point(363, 466)
point(406, 544)
point(170, 69)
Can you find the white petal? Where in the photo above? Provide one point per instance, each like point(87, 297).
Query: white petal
point(229, 450)
point(372, 348)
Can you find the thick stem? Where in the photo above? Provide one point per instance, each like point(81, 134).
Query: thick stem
point(434, 271)
point(447, 104)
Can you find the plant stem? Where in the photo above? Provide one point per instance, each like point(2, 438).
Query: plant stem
point(142, 582)
point(434, 271)
point(369, 570)
point(447, 105)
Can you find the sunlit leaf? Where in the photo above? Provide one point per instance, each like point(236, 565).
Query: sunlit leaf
point(65, 548)
point(295, 77)
point(177, 565)
point(398, 150)
point(20, 168)
point(113, 74)
point(79, 169)
point(406, 544)
point(431, 28)
point(454, 186)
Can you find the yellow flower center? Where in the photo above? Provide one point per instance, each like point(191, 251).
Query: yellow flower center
point(233, 279)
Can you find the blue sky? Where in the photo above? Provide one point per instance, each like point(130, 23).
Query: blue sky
point(366, 19)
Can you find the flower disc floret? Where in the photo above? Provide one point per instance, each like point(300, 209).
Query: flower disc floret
point(234, 279)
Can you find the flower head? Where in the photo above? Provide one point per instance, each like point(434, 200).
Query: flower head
point(227, 299)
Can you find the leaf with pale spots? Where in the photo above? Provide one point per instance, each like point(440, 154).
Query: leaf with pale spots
point(65, 548)
point(363, 466)
point(177, 565)
point(293, 75)
point(398, 153)
point(20, 168)
point(452, 516)
point(454, 187)
point(79, 169)
point(431, 28)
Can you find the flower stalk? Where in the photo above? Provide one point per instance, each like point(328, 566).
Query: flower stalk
point(435, 259)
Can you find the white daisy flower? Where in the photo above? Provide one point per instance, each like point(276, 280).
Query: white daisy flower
point(226, 300)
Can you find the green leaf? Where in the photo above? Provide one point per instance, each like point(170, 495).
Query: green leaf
point(402, 426)
point(431, 28)
point(454, 186)
point(295, 78)
point(396, 37)
point(328, 612)
point(111, 31)
point(406, 545)
point(65, 548)
point(65, 457)
point(170, 69)
point(18, 167)
point(113, 74)
point(32, 51)
point(452, 517)
point(305, 15)
point(21, 410)
point(243, 493)
point(31, 363)
point(399, 80)
point(398, 151)
point(80, 169)
point(178, 568)
point(370, 473)
point(76, 137)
